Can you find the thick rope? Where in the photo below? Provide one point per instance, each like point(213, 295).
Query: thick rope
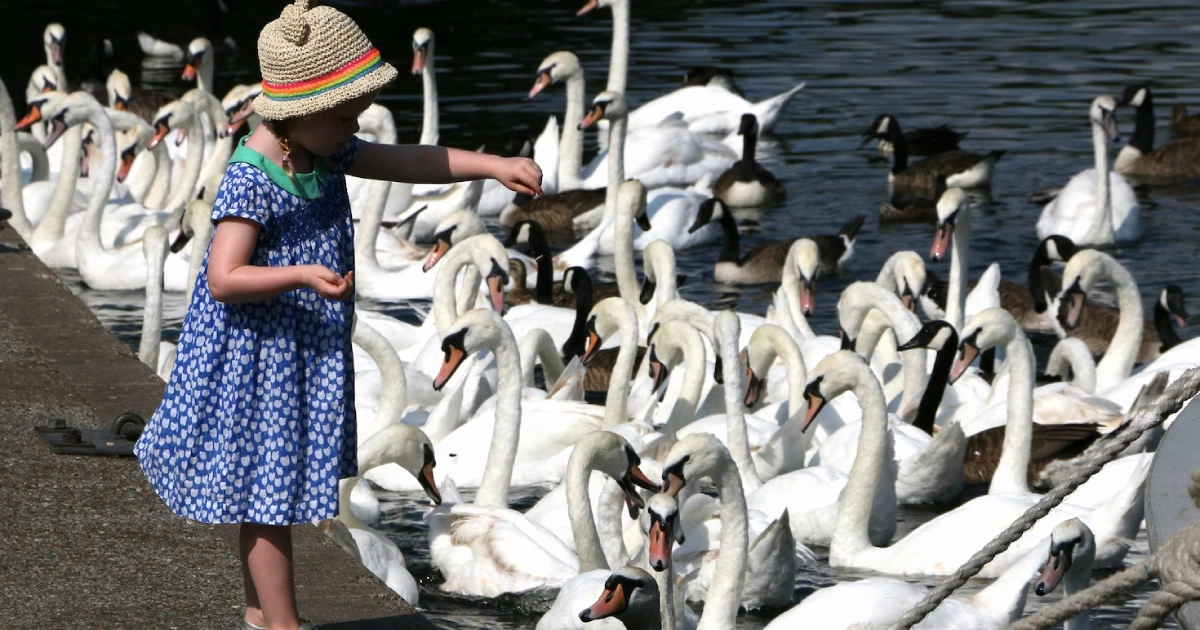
point(1179, 392)
point(1163, 603)
point(1098, 594)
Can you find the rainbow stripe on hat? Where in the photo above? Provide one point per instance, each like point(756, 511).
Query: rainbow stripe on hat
point(357, 68)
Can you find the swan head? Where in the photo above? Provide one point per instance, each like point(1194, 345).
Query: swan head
point(760, 356)
point(1084, 271)
point(54, 39)
point(607, 106)
point(239, 106)
point(949, 205)
point(694, 457)
point(119, 89)
point(609, 316)
point(197, 50)
point(1071, 544)
point(665, 530)
point(628, 592)
point(422, 45)
point(60, 111)
point(43, 79)
point(489, 256)
point(557, 66)
point(989, 328)
point(856, 301)
point(933, 335)
point(613, 456)
point(478, 329)
point(836, 374)
point(177, 114)
point(37, 108)
point(408, 446)
point(455, 228)
point(1103, 113)
point(631, 200)
point(805, 258)
point(1171, 299)
point(908, 276)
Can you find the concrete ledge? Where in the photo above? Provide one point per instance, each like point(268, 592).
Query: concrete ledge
point(87, 543)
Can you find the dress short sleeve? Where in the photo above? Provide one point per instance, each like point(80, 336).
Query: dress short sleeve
point(344, 156)
point(245, 193)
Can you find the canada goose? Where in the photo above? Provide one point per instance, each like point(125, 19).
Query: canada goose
point(765, 262)
point(600, 363)
point(1171, 163)
point(1050, 441)
point(962, 169)
point(747, 183)
point(1170, 304)
point(714, 76)
point(902, 208)
point(1181, 123)
point(547, 291)
point(925, 141)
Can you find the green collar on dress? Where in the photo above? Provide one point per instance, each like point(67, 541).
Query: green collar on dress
point(305, 185)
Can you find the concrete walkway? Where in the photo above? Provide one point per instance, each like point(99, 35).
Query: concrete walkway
point(84, 541)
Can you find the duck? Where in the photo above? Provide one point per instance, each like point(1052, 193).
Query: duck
point(924, 141)
point(1172, 163)
point(765, 262)
point(747, 184)
point(1093, 209)
point(962, 169)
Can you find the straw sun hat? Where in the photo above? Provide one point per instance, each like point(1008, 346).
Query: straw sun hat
point(313, 60)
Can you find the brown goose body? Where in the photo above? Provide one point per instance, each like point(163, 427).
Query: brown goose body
point(1098, 324)
point(600, 368)
point(1181, 123)
point(555, 213)
point(1051, 443)
point(1172, 163)
point(961, 169)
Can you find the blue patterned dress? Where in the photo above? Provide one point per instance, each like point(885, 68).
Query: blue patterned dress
point(257, 423)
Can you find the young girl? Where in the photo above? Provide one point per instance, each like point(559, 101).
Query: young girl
point(257, 424)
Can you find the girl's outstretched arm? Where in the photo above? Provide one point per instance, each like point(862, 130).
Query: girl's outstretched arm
point(231, 277)
point(423, 164)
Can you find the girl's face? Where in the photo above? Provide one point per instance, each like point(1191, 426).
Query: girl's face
point(325, 132)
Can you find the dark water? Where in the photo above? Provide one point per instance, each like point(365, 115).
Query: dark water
point(1017, 75)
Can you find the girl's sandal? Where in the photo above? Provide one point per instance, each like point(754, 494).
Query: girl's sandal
point(246, 625)
point(304, 625)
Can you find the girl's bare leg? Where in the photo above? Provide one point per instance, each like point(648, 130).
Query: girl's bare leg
point(267, 572)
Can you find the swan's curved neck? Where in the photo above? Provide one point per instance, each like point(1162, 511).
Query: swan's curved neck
point(735, 418)
point(570, 151)
point(394, 390)
point(785, 450)
point(191, 169)
point(156, 196)
point(54, 223)
point(616, 165)
point(618, 65)
point(1101, 229)
point(609, 525)
point(1127, 340)
point(725, 592)
point(1012, 469)
point(854, 305)
point(1073, 353)
point(445, 307)
point(960, 245)
point(89, 243)
point(202, 233)
point(367, 234)
point(345, 513)
point(616, 411)
point(10, 167)
point(579, 509)
point(429, 119)
point(537, 345)
point(850, 536)
point(684, 409)
point(1074, 582)
point(497, 475)
point(790, 285)
point(156, 257)
point(626, 272)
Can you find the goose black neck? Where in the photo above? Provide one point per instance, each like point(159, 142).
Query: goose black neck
point(899, 148)
point(749, 142)
point(938, 379)
point(730, 250)
point(575, 345)
point(1162, 325)
point(540, 250)
point(1143, 129)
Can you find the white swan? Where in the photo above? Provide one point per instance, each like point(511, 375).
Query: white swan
point(152, 350)
point(1084, 271)
point(485, 548)
point(10, 167)
point(1072, 554)
point(1097, 206)
point(705, 109)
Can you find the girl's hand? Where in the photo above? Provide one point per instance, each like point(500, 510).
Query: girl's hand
point(520, 174)
point(327, 283)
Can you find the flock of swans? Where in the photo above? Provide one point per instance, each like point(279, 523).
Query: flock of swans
point(805, 440)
